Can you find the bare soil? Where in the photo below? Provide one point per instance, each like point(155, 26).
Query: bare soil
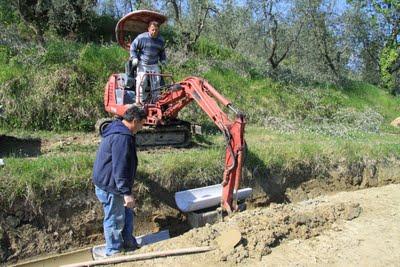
point(346, 229)
point(303, 227)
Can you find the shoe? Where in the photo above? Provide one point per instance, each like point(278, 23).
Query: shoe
point(99, 252)
point(131, 247)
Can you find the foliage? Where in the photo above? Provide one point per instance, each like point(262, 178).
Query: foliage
point(230, 27)
point(389, 56)
point(384, 15)
point(7, 14)
point(208, 49)
point(63, 90)
point(304, 41)
point(76, 20)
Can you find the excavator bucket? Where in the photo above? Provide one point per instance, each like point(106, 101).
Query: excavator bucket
point(201, 204)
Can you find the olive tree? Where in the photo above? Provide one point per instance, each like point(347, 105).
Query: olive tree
point(65, 17)
point(231, 26)
point(189, 19)
point(277, 29)
point(323, 49)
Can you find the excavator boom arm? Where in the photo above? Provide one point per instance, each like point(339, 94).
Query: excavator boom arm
point(199, 90)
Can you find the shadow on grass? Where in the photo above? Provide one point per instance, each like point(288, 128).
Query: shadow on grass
point(176, 224)
point(262, 177)
point(160, 193)
point(19, 147)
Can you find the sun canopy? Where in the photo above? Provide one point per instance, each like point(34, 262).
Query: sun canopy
point(135, 23)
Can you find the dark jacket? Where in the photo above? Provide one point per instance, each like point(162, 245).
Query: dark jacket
point(116, 160)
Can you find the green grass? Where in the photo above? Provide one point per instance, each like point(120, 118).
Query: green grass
point(303, 145)
point(43, 178)
point(261, 98)
point(54, 92)
point(61, 87)
point(58, 88)
point(361, 95)
point(206, 48)
point(69, 169)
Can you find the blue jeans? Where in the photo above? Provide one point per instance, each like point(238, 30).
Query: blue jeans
point(117, 223)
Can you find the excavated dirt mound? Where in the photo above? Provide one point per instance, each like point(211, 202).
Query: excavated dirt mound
point(357, 228)
point(265, 228)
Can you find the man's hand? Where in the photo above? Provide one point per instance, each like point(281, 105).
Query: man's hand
point(129, 201)
point(135, 61)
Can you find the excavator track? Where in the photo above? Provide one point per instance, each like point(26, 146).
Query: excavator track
point(175, 135)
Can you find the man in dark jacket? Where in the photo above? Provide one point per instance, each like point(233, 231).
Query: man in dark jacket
point(113, 174)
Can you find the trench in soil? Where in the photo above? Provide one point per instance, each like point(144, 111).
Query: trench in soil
point(75, 220)
point(19, 147)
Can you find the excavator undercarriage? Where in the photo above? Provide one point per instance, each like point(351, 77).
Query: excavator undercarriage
point(172, 135)
point(177, 134)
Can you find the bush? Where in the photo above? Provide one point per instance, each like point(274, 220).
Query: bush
point(208, 49)
point(57, 88)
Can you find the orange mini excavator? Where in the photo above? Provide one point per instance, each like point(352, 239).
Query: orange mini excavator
point(162, 125)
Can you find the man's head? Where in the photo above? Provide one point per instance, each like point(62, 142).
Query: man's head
point(153, 29)
point(134, 118)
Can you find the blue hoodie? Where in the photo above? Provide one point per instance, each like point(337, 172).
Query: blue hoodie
point(116, 160)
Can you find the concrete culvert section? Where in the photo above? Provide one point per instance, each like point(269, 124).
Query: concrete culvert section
point(205, 197)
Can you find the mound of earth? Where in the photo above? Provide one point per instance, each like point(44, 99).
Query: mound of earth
point(265, 228)
point(347, 228)
point(396, 122)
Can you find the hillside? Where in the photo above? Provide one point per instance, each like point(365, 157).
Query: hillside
point(60, 87)
point(304, 139)
point(317, 81)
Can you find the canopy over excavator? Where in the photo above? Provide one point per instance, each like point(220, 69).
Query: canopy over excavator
point(135, 23)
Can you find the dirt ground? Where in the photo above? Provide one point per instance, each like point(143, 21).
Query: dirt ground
point(347, 228)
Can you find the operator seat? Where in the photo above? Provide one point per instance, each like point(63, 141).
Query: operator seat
point(131, 72)
point(126, 91)
point(130, 80)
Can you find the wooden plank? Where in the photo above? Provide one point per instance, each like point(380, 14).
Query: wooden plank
point(144, 256)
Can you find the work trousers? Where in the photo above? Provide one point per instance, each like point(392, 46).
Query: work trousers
point(146, 73)
point(117, 223)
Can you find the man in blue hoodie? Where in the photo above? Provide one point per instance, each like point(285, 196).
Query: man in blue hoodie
point(113, 174)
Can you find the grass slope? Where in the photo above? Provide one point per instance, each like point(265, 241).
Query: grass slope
point(62, 170)
point(60, 88)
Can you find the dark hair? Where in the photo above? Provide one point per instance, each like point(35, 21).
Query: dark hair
point(134, 113)
point(155, 23)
